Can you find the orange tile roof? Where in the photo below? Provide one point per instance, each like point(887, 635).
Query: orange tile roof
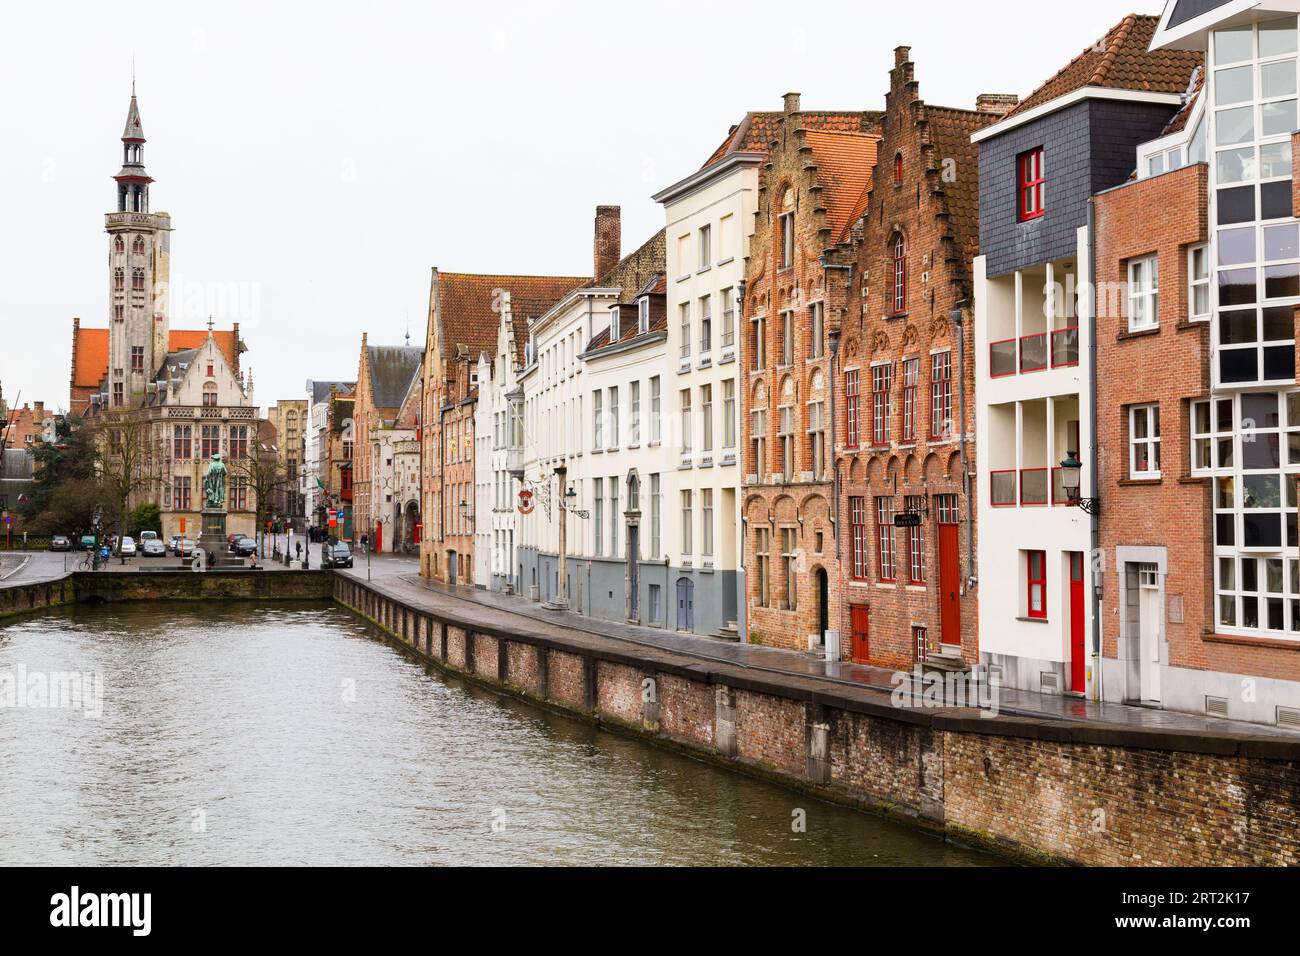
point(844, 166)
point(1121, 60)
point(754, 133)
point(91, 351)
point(467, 307)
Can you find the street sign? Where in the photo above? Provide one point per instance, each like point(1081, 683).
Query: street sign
point(182, 527)
point(908, 519)
point(9, 519)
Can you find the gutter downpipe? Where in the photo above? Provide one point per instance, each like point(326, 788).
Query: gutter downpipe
point(958, 321)
point(835, 459)
point(742, 593)
point(1093, 475)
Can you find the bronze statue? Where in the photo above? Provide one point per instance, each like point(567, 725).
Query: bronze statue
point(214, 484)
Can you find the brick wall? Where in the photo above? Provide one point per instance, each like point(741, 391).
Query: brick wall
point(917, 208)
point(1173, 511)
point(789, 183)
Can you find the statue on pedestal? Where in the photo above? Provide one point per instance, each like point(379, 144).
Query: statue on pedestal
point(214, 484)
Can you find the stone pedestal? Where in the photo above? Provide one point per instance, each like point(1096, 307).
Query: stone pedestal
point(213, 541)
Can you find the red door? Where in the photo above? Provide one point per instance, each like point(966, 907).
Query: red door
point(949, 586)
point(1077, 680)
point(378, 544)
point(861, 622)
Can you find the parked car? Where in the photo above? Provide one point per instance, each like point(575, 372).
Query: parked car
point(171, 545)
point(60, 542)
point(244, 546)
point(183, 548)
point(149, 536)
point(336, 556)
point(128, 547)
point(86, 542)
point(153, 548)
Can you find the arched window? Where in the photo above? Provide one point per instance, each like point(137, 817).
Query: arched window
point(119, 279)
point(137, 247)
point(899, 252)
point(898, 167)
point(119, 245)
point(137, 280)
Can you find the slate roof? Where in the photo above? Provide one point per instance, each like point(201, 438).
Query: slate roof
point(1121, 60)
point(391, 369)
point(320, 391)
point(467, 307)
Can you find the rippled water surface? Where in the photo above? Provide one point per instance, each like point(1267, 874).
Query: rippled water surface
point(243, 735)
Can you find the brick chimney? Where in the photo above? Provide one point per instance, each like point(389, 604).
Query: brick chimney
point(996, 104)
point(609, 240)
point(902, 55)
point(791, 103)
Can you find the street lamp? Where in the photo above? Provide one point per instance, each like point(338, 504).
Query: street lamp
point(1071, 472)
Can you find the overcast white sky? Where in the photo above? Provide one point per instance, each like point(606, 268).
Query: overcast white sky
point(318, 160)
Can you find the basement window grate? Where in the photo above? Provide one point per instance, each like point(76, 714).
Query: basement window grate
point(1216, 706)
point(1048, 682)
point(1288, 717)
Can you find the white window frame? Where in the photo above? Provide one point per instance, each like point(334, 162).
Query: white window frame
point(1197, 282)
point(1151, 414)
point(1144, 294)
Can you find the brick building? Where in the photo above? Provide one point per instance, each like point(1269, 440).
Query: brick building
point(464, 314)
point(384, 375)
point(904, 381)
point(1200, 529)
point(817, 171)
point(1074, 136)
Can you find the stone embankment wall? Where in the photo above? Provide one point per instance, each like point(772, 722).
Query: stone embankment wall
point(1042, 790)
point(167, 586)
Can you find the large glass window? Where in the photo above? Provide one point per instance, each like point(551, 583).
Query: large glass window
point(1253, 80)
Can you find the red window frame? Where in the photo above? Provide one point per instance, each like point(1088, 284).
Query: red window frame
point(940, 392)
point(885, 538)
point(1036, 578)
point(858, 526)
point(898, 167)
point(137, 358)
point(1031, 182)
point(182, 436)
point(852, 397)
point(882, 380)
point(181, 493)
point(911, 377)
point(899, 291)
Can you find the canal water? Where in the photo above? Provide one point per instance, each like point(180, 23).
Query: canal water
point(238, 735)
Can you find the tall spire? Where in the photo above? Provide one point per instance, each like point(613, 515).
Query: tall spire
point(132, 181)
point(134, 132)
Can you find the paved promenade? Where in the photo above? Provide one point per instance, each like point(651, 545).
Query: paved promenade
point(399, 578)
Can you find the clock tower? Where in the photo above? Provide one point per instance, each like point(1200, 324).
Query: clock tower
point(139, 255)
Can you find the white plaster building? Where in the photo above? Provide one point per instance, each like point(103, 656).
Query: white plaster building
point(709, 221)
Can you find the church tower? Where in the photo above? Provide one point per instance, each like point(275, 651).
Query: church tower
point(139, 256)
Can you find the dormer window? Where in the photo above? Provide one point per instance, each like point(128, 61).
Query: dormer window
point(613, 324)
point(1030, 174)
point(643, 314)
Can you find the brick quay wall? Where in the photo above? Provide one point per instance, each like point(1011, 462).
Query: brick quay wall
point(1046, 791)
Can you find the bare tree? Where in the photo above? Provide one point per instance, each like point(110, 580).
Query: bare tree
point(123, 451)
point(266, 479)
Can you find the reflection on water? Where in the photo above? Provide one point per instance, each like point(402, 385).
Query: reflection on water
point(243, 735)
